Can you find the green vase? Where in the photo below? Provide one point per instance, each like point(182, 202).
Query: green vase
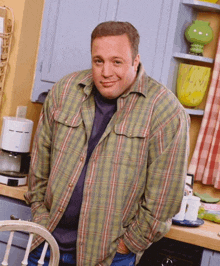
point(199, 33)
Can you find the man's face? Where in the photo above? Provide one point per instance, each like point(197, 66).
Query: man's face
point(112, 68)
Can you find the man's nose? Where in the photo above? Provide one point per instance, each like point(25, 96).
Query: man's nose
point(107, 70)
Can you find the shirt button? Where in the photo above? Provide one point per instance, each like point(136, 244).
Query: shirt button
point(60, 209)
point(66, 122)
point(81, 159)
point(70, 185)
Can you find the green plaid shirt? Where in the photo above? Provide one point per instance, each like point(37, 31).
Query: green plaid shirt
point(135, 178)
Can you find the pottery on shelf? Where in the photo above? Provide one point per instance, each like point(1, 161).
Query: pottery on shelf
point(192, 83)
point(210, 1)
point(199, 33)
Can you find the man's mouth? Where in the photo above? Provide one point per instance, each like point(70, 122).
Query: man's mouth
point(108, 83)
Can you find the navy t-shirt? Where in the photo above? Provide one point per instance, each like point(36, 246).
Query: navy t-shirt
point(66, 231)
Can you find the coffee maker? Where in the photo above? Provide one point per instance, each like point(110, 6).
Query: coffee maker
point(15, 150)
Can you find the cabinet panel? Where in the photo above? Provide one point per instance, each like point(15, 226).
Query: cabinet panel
point(16, 254)
point(65, 39)
point(206, 257)
point(67, 44)
point(20, 210)
point(149, 17)
point(157, 23)
point(171, 252)
point(210, 258)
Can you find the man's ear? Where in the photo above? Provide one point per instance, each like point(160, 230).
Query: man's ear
point(136, 62)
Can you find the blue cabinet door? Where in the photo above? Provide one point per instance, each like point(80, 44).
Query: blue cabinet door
point(65, 38)
point(147, 17)
point(210, 258)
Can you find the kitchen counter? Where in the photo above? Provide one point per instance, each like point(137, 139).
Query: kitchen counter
point(13, 192)
point(205, 235)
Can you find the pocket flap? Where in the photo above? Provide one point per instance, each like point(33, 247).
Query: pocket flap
point(131, 130)
point(68, 119)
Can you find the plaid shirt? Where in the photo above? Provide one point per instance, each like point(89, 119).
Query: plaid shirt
point(135, 178)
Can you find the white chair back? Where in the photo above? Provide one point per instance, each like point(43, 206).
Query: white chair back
point(31, 228)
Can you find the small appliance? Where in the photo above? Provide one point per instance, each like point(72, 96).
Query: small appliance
point(15, 150)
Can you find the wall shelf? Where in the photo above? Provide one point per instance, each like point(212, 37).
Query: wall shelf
point(193, 57)
point(202, 6)
point(187, 13)
point(194, 111)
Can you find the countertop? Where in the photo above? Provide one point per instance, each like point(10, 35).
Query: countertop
point(13, 192)
point(205, 235)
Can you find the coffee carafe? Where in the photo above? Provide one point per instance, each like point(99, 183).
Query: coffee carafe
point(15, 150)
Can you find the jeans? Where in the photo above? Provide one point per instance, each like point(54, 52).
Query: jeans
point(124, 260)
point(65, 258)
point(70, 259)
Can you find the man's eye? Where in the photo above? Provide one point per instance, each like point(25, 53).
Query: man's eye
point(98, 61)
point(117, 62)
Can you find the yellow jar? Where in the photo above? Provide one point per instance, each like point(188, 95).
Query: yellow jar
point(192, 83)
point(210, 1)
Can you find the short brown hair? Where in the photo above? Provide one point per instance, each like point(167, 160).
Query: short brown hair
point(115, 28)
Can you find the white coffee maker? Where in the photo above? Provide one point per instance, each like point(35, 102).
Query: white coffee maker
point(15, 150)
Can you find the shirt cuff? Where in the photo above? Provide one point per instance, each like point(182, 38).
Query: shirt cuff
point(134, 242)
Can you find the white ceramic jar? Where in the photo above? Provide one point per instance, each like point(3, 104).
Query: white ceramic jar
point(193, 204)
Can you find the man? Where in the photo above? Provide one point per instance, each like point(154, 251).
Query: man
point(109, 157)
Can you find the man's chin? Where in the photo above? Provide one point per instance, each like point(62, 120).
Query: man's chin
point(108, 93)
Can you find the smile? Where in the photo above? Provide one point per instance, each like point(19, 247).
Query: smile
point(108, 83)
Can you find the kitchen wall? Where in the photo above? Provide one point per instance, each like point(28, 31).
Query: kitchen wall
point(19, 79)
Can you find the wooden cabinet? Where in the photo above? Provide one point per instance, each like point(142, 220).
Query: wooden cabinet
point(67, 26)
point(176, 253)
point(172, 252)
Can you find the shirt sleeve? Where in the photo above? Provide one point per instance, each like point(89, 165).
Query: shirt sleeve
point(40, 162)
point(167, 168)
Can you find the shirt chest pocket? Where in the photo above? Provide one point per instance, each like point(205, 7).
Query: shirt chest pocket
point(132, 142)
point(68, 131)
point(131, 130)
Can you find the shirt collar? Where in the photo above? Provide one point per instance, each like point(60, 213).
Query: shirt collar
point(87, 82)
point(140, 85)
